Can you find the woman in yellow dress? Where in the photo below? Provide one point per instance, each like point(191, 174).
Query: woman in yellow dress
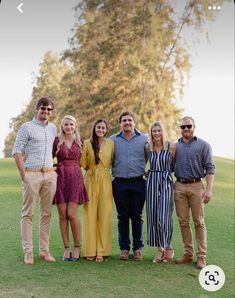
point(97, 158)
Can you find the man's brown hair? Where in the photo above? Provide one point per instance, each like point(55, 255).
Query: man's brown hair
point(44, 101)
point(126, 113)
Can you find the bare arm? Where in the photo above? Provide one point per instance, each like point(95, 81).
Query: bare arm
point(173, 151)
point(20, 164)
point(146, 152)
point(84, 157)
point(207, 195)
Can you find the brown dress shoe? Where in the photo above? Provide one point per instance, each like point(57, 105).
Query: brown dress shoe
point(28, 259)
point(184, 259)
point(46, 256)
point(124, 255)
point(137, 255)
point(201, 263)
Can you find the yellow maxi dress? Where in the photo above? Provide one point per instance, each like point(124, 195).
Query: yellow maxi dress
point(97, 213)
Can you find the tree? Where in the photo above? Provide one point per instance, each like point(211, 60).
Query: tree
point(130, 55)
point(52, 72)
point(124, 54)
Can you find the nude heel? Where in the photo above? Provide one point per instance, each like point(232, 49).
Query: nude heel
point(159, 256)
point(169, 254)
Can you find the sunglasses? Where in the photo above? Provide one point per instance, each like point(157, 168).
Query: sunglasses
point(46, 109)
point(184, 126)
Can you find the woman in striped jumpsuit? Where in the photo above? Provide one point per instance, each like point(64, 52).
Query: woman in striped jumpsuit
point(159, 201)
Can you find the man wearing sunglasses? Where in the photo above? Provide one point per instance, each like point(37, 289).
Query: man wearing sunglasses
point(32, 152)
point(193, 162)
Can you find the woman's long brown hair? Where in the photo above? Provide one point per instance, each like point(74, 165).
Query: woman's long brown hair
point(94, 138)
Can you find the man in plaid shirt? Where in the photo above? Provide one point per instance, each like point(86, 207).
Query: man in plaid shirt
point(32, 152)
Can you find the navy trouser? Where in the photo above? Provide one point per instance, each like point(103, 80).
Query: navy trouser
point(129, 197)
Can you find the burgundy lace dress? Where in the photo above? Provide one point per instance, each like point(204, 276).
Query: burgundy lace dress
point(70, 183)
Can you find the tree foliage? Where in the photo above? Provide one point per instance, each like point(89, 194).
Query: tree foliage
point(129, 55)
point(123, 55)
point(52, 73)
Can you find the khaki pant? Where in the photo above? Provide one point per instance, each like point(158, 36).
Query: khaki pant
point(44, 185)
point(189, 196)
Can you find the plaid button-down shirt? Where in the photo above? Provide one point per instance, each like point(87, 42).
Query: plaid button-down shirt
point(35, 140)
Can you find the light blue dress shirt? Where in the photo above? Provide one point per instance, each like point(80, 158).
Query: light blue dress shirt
point(129, 155)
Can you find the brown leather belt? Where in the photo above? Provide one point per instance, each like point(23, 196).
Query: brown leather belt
point(44, 169)
point(188, 181)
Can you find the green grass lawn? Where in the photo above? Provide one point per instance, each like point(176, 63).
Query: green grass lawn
point(113, 278)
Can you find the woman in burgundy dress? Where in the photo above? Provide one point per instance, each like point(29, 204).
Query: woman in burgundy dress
point(70, 185)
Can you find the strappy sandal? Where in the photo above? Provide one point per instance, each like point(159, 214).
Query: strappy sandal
point(159, 256)
point(169, 254)
point(99, 259)
point(73, 258)
point(65, 258)
point(90, 258)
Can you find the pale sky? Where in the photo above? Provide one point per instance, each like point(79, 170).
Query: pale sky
point(46, 25)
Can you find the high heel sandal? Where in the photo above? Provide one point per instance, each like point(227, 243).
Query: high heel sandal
point(90, 258)
point(73, 258)
point(159, 256)
point(65, 258)
point(169, 254)
point(99, 259)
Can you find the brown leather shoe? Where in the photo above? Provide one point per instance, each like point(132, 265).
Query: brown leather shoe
point(137, 255)
point(28, 258)
point(184, 259)
point(46, 256)
point(201, 263)
point(124, 255)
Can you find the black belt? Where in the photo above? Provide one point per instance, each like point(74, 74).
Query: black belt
point(187, 181)
point(131, 179)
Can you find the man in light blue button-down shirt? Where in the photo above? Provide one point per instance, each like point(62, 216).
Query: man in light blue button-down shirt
point(128, 184)
point(33, 156)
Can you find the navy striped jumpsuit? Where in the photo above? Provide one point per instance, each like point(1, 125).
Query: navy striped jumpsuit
point(159, 201)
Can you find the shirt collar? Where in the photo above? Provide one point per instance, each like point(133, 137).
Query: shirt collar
point(35, 120)
point(136, 132)
point(181, 139)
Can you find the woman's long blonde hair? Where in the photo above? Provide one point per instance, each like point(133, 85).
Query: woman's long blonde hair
point(76, 135)
point(165, 144)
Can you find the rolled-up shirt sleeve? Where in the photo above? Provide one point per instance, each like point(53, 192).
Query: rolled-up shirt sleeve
point(21, 140)
point(208, 163)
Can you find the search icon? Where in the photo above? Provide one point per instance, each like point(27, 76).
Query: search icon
point(211, 277)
